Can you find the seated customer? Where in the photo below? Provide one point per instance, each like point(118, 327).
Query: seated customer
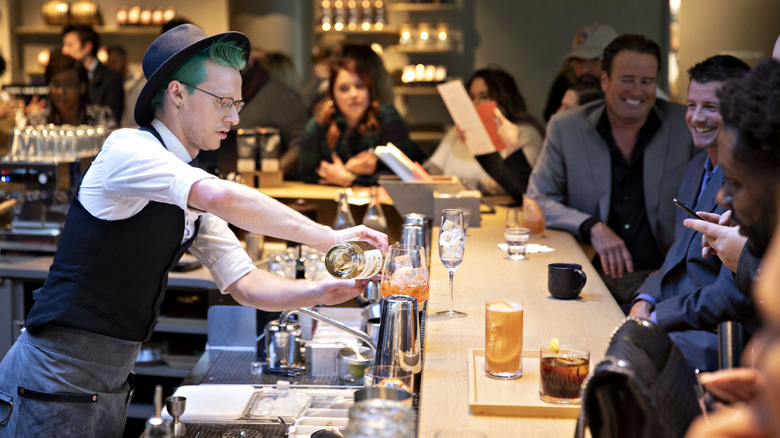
point(68, 100)
point(520, 131)
point(337, 143)
point(271, 104)
point(749, 150)
point(610, 169)
point(586, 90)
point(689, 296)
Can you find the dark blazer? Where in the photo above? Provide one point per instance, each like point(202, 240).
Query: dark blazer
point(107, 88)
point(574, 170)
point(692, 292)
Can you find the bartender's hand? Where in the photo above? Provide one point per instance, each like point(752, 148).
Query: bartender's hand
point(378, 238)
point(335, 173)
point(641, 309)
point(508, 131)
point(615, 258)
point(363, 163)
point(719, 237)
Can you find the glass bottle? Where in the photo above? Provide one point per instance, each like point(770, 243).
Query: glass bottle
point(300, 264)
point(355, 258)
point(344, 217)
point(375, 217)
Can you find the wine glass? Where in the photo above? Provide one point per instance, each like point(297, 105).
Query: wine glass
point(405, 272)
point(452, 242)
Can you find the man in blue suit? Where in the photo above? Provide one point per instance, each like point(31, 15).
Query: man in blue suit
point(690, 295)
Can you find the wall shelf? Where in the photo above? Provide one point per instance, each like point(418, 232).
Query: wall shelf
point(387, 30)
point(416, 90)
point(418, 50)
point(422, 7)
point(145, 31)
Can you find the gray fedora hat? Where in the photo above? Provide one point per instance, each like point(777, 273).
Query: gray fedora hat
point(167, 53)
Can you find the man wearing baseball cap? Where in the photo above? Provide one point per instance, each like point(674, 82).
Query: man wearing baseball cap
point(138, 208)
point(583, 59)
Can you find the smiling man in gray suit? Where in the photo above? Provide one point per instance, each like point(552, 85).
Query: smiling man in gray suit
point(610, 169)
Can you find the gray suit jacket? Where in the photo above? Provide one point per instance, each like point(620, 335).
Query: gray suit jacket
point(693, 292)
point(574, 170)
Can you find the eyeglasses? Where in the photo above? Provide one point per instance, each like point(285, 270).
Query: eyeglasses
point(224, 103)
point(57, 86)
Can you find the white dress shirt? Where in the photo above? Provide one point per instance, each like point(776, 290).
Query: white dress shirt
point(133, 168)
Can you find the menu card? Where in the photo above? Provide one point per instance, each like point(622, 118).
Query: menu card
point(399, 163)
point(476, 122)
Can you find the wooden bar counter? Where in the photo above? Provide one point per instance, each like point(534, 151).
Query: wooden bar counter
point(486, 274)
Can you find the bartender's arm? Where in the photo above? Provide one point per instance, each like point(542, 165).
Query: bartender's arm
point(253, 211)
point(271, 292)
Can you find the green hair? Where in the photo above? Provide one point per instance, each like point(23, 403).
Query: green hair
point(193, 71)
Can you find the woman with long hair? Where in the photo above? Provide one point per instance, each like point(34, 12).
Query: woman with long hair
point(505, 171)
point(337, 144)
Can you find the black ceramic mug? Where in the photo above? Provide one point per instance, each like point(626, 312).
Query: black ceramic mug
point(565, 280)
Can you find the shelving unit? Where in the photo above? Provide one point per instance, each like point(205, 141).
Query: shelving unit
point(419, 103)
point(150, 31)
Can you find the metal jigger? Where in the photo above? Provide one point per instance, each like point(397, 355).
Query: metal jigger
point(175, 406)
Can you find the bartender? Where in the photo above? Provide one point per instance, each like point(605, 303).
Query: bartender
point(139, 207)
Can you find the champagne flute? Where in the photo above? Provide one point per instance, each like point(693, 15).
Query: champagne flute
point(452, 242)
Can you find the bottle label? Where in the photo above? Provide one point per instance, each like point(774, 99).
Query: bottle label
point(373, 264)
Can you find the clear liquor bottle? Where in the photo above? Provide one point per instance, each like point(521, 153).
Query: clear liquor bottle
point(356, 258)
point(344, 217)
point(375, 217)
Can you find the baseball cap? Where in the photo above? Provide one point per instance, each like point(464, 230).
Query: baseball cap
point(590, 41)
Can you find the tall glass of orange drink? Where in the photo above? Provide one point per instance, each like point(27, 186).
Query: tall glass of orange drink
point(503, 339)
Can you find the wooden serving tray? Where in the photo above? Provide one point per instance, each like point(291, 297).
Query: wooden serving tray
point(517, 397)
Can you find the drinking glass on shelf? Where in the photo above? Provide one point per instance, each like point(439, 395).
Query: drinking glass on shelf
point(452, 242)
point(405, 272)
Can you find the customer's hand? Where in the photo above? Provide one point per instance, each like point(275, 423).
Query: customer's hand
point(36, 105)
point(460, 133)
point(508, 131)
point(641, 309)
point(363, 163)
point(335, 173)
point(719, 237)
point(741, 421)
point(615, 258)
point(735, 384)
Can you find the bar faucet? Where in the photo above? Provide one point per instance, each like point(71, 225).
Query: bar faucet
point(320, 317)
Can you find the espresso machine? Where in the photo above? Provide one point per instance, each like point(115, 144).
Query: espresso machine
point(36, 196)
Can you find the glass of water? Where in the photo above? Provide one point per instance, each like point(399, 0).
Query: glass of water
point(516, 241)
